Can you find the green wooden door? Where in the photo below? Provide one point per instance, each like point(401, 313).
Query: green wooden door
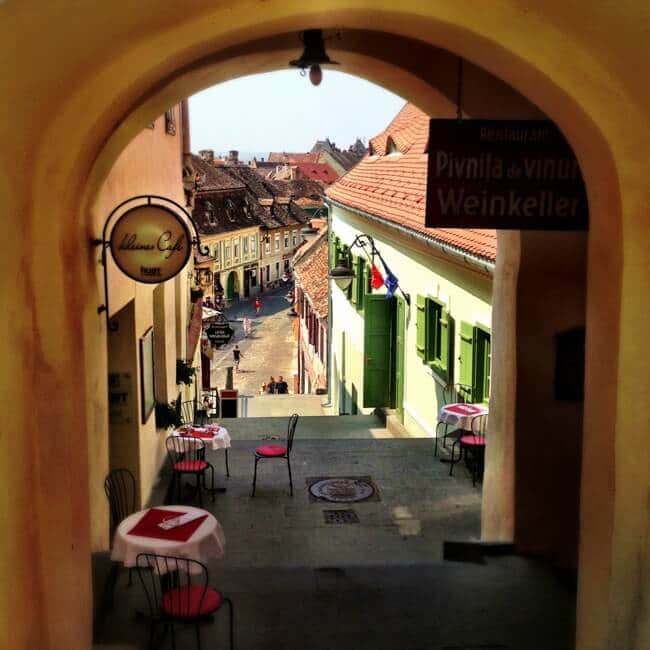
point(230, 286)
point(400, 337)
point(377, 351)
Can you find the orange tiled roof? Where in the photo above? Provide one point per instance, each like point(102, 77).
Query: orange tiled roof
point(311, 270)
point(284, 157)
point(317, 172)
point(393, 185)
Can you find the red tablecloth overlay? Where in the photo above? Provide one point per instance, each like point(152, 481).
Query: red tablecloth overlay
point(148, 526)
point(201, 433)
point(463, 409)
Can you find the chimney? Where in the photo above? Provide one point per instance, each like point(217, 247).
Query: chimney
point(233, 157)
point(207, 155)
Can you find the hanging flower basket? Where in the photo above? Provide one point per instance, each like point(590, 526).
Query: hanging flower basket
point(196, 294)
point(184, 372)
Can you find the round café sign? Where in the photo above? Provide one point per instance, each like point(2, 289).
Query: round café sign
point(150, 243)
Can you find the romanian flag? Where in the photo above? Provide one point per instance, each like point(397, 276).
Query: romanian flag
point(377, 278)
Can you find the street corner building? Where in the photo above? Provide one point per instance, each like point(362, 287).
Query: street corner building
point(387, 353)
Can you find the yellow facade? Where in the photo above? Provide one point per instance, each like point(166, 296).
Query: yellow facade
point(231, 252)
point(119, 65)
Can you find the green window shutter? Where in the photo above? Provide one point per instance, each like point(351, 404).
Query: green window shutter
point(446, 346)
point(354, 291)
point(466, 360)
point(421, 326)
point(482, 360)
point(432, 327)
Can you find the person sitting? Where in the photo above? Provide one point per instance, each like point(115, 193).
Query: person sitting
point(281, 386)
point(270, 387)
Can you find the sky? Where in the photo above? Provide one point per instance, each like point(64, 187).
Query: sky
point(282, 111)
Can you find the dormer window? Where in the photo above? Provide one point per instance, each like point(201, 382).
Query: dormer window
point(209, 215)
point(391, 147)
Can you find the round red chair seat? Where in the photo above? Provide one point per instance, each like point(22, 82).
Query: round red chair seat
point(191, 601)
point(190, 465)
point(473, 441)
point(271, 450)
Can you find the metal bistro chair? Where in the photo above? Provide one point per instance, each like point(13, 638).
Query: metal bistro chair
point(188, 416)
point(187, 456)
point(452, 394)
point(472, 447)
point(177, 591)
point(120, 490)
point(266, 452)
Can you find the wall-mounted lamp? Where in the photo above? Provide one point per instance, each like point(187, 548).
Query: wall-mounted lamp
point(343, 275)
point(313, 56)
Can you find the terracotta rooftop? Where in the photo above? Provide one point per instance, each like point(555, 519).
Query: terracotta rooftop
point(310, 269)
point(317, 172)
point(390, 182)
point(213, 179)
point(292, 158)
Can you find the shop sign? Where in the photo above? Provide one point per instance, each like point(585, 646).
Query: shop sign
point(150, 243)
point(219, 333)
point(503, 174)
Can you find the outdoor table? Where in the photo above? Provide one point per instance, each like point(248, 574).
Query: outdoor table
point(213, 435)
point(460, 415)
point(201, 539)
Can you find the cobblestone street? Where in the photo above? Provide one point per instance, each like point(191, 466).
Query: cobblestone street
point(270, 349)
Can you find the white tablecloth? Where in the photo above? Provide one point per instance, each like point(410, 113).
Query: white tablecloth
point(461, 415)
point(220, 440)
point(206, 543)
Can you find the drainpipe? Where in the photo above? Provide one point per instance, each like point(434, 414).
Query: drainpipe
point(330, 342)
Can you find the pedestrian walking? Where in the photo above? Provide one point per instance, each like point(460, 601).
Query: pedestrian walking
point(247, 326)
point(236, 357)
point(258, 305)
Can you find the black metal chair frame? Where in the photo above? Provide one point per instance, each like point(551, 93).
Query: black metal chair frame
point(188, 416)
point(182, 448)
point(452, 394)
point(474, 454)
point(161, 574)
point(291, 430)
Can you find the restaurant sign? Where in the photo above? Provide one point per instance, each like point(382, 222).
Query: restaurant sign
point(511, 175)
point(219, 333)
point(150, 243)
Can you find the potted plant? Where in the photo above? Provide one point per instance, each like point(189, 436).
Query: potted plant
point(167, 415)
point(184, 372)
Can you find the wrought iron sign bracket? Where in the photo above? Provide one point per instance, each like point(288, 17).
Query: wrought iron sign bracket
point(136, 201)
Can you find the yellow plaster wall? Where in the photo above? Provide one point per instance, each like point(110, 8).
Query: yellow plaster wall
point(118, 66)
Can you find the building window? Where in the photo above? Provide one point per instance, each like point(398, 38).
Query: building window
point(294, 238)
point(434, 336)
point(253, 245)
point(277, 241)
point(267, 244)
point(286, 265)
point(475, 362)
point(235, 249)
point(268, 273)
point(226, 251)
point(245, 246)
point(170, 122)
point(216, 251)
point(277, 270)
point(286, 240)
point(209, 215)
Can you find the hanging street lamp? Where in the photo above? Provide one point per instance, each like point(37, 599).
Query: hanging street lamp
point(313, 56)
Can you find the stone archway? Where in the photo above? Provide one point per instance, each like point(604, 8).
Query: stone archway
point(584, 79)
point(232, 286)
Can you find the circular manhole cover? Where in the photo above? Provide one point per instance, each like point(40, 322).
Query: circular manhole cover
point(342, 490)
